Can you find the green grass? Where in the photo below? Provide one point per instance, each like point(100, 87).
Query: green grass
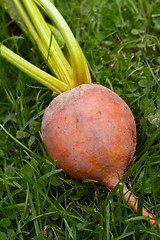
point(121, 41)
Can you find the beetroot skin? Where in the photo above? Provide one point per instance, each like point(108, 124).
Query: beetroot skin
point(91, 132)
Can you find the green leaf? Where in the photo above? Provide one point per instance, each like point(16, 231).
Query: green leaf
point(11, 234)
point(68, 228)
point(145, 83)
point(9, 117)
point(5, 222)
point(81, 226)
point(27, 171)
point(56, 181)
point(135, 31)
point(147, 105)
point(20, 134)
point(41, 236)
point(10, 170)
point(89, 181)
point(1, 153)
point(158, 101)
point(154, 119)
point(51, 173)
point(156, 22)
point(3, 236)
point(14, 14)
point(31, 140)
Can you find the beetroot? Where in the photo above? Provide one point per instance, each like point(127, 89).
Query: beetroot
point(91, 132)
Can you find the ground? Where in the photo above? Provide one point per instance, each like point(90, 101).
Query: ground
point(120, 40)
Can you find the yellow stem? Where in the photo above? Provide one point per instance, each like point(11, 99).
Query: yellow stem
point(34, 34)
point(60, 65)
point(33, 71)
point(80, 69)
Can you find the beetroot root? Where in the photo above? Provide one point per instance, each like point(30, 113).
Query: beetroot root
point(91, 132)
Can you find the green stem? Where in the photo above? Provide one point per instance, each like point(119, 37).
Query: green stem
point(33, 71)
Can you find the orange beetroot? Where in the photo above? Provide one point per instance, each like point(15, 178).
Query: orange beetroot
point(91, 132)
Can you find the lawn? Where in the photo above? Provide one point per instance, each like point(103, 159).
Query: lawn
point(121, 42)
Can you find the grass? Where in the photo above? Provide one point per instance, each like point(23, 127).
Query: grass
point(120, 40)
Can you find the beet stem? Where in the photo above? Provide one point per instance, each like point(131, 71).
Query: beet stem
point(132, 200)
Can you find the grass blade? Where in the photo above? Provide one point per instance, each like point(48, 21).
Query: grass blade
point(37, 229)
